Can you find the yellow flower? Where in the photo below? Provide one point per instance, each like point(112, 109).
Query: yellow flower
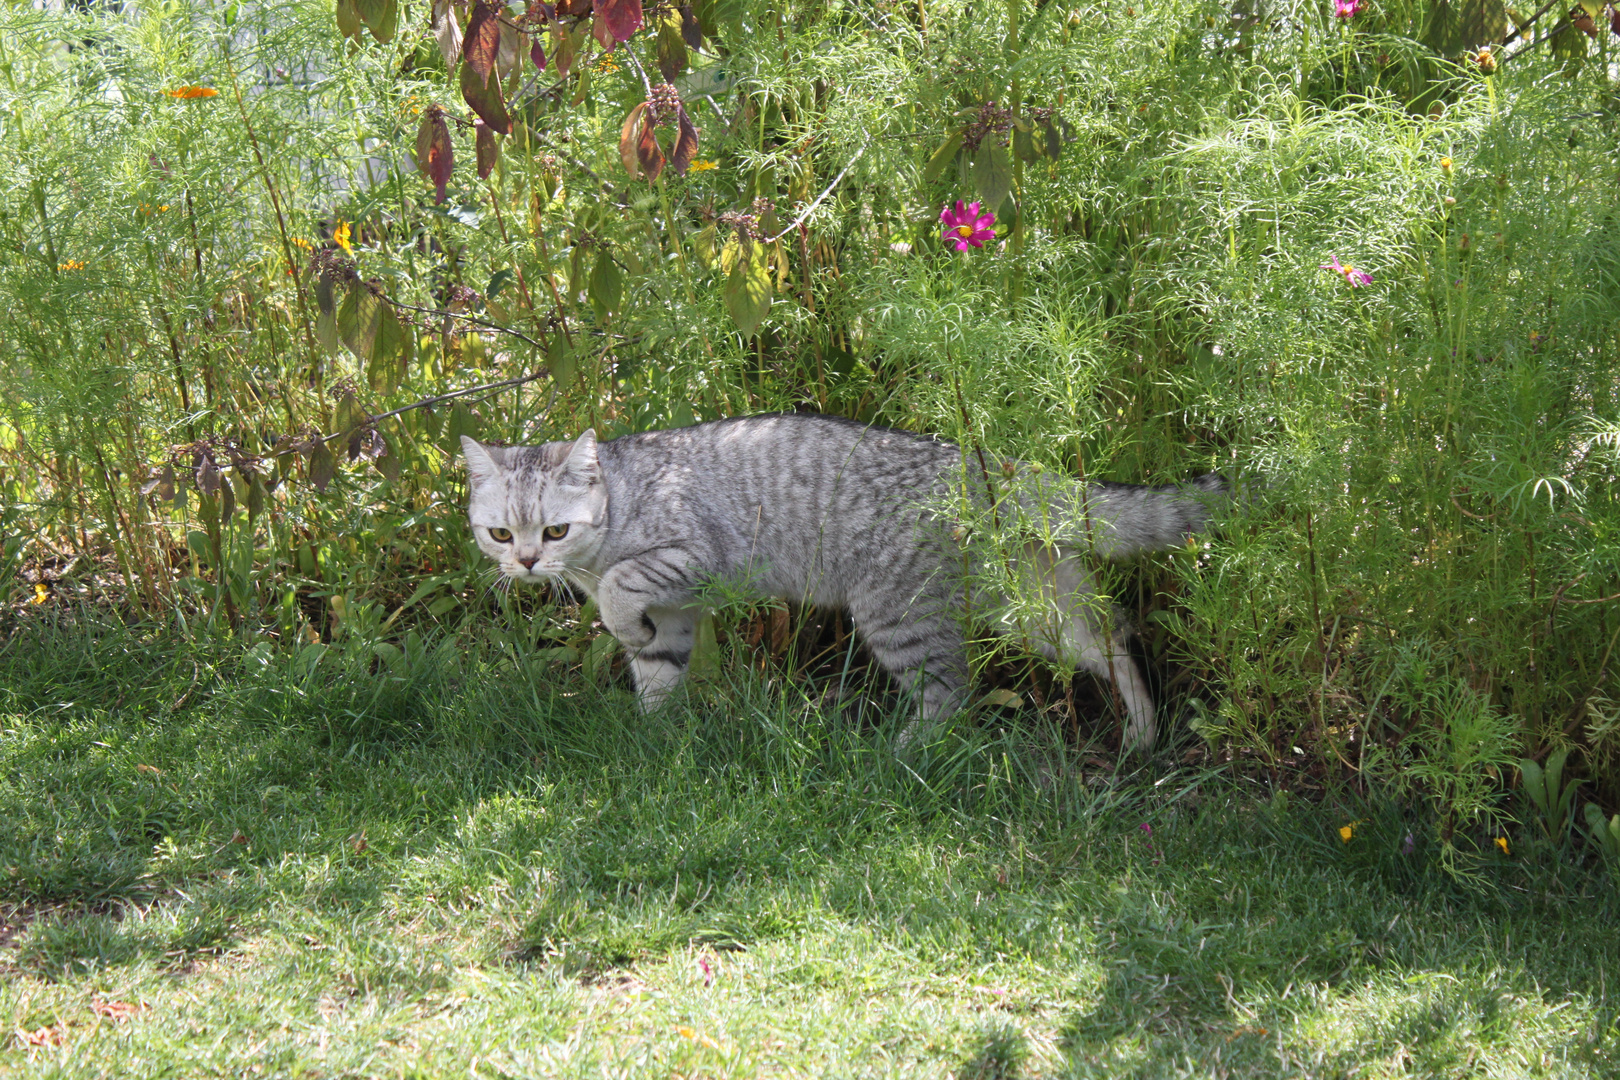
point(41, 593)
point(341, 235)
point(187, 92)
point(1347, 831)
point(1501, 842)
point(299, 241)
point(71, 264)
point(702, 166)
point(605, 66)
point(1445, 164)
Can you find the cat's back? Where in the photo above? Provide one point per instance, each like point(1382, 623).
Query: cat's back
point(755, 456)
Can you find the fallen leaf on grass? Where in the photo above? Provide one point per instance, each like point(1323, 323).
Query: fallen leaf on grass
point(114, 1010)
point(45, 1036)
point(151, 770)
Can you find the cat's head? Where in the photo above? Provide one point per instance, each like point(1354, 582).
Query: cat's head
point(538, 511)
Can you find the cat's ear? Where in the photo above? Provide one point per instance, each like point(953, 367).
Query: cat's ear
point(581, 465)
point(483, 462)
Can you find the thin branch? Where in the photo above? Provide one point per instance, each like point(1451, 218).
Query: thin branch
point(827, 191)
point(467, 318)
point(1520, 28)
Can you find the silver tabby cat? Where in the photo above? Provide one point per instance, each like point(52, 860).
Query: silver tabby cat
point(818, 510)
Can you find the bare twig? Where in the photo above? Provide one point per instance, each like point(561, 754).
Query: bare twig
point(827, 191)
point(467, 318)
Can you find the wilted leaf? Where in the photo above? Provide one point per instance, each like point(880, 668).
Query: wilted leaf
point(162, 483)
point(447, 32)
point(606, 284)
point(992, 173)
point(326, 330)
point(672, 57)
point(489, 150)
point(649, 155)
point(484, 95)
point(942, 157)
point(435, 154)
point(686, 144)
point(627, 139)
point(322, 465)
point(621, 18)
point(482, 43)
point(691, 29)
point(208, 477)
point(748, 290)
point(227, 500)
point(348, 19)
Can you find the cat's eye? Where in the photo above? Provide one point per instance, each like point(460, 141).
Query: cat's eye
point(501, 536)
point(556, 532)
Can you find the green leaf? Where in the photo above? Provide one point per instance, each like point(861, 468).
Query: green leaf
point(748, 290)
point(672, 58)
point(560, 361)
point(606, 285)
point(357, 319)
point(1024, 147)
point(393, 347)
point(326, 331)
point(992, 173)
point(348, 19)
point(942, 157)
point(322, 465)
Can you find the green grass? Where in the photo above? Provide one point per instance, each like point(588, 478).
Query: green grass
point(483, 871)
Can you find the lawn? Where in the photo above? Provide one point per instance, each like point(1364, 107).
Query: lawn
point(217, 866)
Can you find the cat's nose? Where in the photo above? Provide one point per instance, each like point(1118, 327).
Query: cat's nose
point(528, 564)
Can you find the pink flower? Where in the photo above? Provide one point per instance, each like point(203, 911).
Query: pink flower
point(964, 227)
point(1346, 9)
point(1356, 278)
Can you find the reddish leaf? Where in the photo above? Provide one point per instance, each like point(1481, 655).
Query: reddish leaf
point(482, 41)
point(648, 153)
point(435, 155)
point(484, 95)
point(686, 144)
point(446, 31)
point(603, 33)
point(691, 29)
point(537, 53)
point(489, 151)
point(627, 139)
point(622, 17)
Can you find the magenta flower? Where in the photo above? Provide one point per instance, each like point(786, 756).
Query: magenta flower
point(1346, 9)
point(964, 227)
point(1356, 278)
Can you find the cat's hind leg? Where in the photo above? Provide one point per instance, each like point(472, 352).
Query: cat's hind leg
point(918, 641)
point(1088, 637)
point(659, 667)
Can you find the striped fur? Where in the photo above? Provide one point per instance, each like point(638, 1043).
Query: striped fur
point(819, 510)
